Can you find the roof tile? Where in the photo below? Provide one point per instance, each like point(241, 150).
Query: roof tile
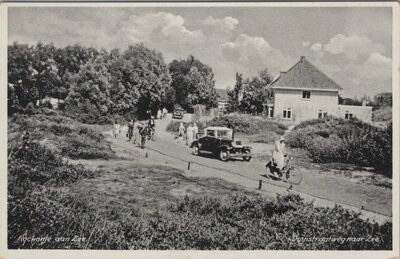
point(304, 75)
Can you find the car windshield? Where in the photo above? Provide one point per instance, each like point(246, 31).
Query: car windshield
point(225, 134)
point(211, 133)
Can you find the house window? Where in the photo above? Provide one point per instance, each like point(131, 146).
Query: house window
point(348, 115)
point(287, 113)
point(306, 94)
point(270, 94)
point(322, 114)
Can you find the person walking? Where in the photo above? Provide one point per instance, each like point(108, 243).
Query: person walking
point(181, 131)
point(159, 114)
point(116, 129)
point(189, 135)
point(195, 131)
point(164, 113)
point(136, 127)
point(130, 129)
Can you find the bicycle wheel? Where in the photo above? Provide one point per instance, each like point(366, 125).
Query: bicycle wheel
point(294, 176)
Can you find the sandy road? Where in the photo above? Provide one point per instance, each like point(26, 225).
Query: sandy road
point(324, 189)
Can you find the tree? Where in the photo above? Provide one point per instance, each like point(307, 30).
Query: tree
point(192, 83)
point(32, 74)
point(233, 95)
point(90, 92)
point(252, 91)
point(382, 100)
point(69, 62)
point(139, 80)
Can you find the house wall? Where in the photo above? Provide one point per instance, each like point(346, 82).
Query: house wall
point(304, 109)
point(363, 113)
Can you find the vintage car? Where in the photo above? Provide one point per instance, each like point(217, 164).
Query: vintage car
point(178, 113)
point(219, 141)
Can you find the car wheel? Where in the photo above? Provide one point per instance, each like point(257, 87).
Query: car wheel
point(224, 155)
point(195, 150)
point(247, 158)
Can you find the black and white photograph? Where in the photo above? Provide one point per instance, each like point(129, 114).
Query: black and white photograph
point(200, 126)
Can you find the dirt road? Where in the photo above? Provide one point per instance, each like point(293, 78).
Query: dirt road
point(323, 188)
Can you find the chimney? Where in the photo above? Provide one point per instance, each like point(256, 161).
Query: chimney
point(282, 73)
point(364, 102)
point(302, 58)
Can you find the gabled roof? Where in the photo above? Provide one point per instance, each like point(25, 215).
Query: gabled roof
point(304, 75)
point(222, 93)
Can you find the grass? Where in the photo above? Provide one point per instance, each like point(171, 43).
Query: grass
point(63, 135)
point(109, 211)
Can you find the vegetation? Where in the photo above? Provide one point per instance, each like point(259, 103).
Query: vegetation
point(192, 83)
point(248, 95)
point(96, 85)
point(44, 201)
point(61, 134)
point(349, 141)
point(383, 114)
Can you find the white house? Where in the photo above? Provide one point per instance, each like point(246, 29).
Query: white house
point(305, 93)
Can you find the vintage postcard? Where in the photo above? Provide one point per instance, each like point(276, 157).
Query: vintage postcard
point(199, 130)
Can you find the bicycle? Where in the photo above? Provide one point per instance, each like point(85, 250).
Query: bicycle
point(287, 174)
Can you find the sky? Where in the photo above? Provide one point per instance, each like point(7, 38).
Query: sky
point(352, 45)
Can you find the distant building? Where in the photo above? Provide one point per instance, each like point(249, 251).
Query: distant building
point(304, 93)
point(222, 100)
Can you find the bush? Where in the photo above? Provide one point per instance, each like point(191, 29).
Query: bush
point(248, 124)
point(66, 136)
point(347, 141)
point(384, 114)
point(233, 222)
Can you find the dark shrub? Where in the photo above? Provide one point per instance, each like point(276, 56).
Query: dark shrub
point(348, 141)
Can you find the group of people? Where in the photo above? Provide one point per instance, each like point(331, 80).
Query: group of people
point(161, 114)
point(189, 133)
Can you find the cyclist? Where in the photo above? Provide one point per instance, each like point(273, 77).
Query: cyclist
point(279, 155)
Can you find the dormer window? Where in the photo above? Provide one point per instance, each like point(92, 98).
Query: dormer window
point(306, 94)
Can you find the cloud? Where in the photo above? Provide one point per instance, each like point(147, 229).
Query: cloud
point(226, 24)
point(316, 47)
point(377, 68)
point(63, 26)
point(251, 54)
point(352, 47)
point(160, 30)
point(305, 43)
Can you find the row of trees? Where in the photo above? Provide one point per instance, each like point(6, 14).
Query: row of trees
point(96, 83)
point(249, 94)
point(379, 101)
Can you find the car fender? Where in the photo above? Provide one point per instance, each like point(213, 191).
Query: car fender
point(194, 143)
point(225, 147)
